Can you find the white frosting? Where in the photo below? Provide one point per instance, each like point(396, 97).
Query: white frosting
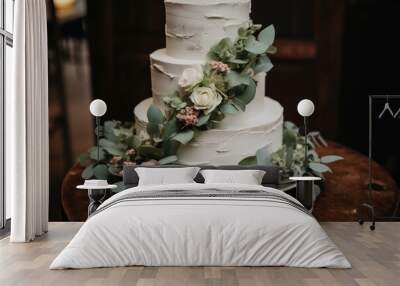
point(165, 73)
point(229, 146)
point(193, 27)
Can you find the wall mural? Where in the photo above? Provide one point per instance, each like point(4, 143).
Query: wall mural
point(211, 103)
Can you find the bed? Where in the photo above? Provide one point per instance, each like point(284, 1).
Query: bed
point(200, 224)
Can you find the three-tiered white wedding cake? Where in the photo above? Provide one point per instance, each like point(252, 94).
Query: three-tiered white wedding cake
point(192, 28)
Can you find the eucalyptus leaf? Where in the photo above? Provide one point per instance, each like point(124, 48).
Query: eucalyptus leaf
point(255, 47)
point(171, 128)
point(168, 160)
point(84, 159)
point(289, 138)
point(267, 36)
point(242, 32)
point(108, 128)
point(104, 142)
point(170, 147)
point(114, 151)
point(184, 137)
point(153, 129)
point(180, 105)
point(224, 43)
point(134, 141)
point(93, 153)
point(263, 156)
point(203, 120)
point(263, 64)
point(110, 124)
point(175, 102)
point(235, 79)
point(167, 99)
point(239, 104)
point(249, 93)
point(154, 115)
point(248, 161)
point(223, 50)
point(330, 159)
point(150, 152)
point(88, 172)
point(123, 132)
point(229, 108)
point(101, 172)
point(289, 156)
point(238, 61)
point(290, 125)
point(320, 168)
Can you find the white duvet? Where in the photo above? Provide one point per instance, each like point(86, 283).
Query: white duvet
point(200, 231)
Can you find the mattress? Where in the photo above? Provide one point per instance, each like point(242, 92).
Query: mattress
point(201, 225)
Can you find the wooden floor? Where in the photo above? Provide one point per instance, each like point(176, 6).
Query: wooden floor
point(375, 257)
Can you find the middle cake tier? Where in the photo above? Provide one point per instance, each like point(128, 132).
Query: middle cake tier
point(229, 143)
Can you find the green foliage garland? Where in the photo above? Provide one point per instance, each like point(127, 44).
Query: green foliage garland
point(120, 146)
point(224, 85)
point(290, 157)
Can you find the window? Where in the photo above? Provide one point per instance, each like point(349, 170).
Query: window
point(6, 43)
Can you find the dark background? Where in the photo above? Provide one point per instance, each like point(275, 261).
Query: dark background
point(334, 52)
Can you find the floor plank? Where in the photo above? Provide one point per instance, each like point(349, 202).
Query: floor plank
point(375, 257)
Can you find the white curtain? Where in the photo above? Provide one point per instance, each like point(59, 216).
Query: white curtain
point(27, 124)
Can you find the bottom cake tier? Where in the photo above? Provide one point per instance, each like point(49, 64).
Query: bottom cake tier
point(228, 146)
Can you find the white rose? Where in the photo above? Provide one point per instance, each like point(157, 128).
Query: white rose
point(205, 98)
point(190, 77)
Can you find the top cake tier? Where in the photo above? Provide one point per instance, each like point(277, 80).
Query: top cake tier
point(194, 26)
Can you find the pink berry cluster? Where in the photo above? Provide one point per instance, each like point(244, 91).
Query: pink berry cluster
point(130, 152)
point(219, 66)
point(188, 115)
